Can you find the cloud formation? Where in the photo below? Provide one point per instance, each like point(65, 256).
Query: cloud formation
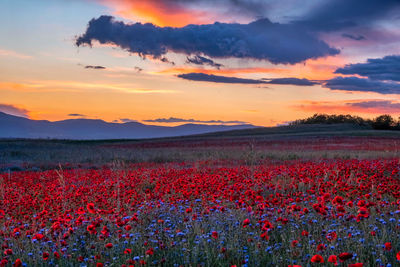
point(362, 85)
point(199, 60)
point(385, 105)
point(292, 81)
point(95, 67)
point(202, 77)
point(179, 13)
point(261, 40)
point(386, 68)
point(374, 106)
point(14, 110)
point(332, 15)
point(76, 115)
point(354, 37)
point(10, 53)
point(125, 120)
point(177, 120)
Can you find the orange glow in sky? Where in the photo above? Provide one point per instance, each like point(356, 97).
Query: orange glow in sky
point(157, 13)
point(45, 75)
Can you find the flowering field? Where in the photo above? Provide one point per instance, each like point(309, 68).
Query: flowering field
point(289, 213)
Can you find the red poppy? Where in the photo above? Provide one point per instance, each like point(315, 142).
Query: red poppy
point(355, 265)
point(331, 236)
point(99, 264)
point(45, 256)
point(90, 207)
point(317, 259)
point(398, 256)
point(333, 259)
point(150, 251)
point(265, 236)
point(56, 255)
point(304, 233)
point(246, 222)
point(17, 263)
point(91, 229)
point(388, 246)
point(38, 236)
point(321, 247)
point(345, 256)
point(214, 234)
point(109, 245)
point(80, 211)
point(373, 233)
point(128, 251)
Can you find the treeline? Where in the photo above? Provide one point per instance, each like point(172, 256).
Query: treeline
point(382, 122)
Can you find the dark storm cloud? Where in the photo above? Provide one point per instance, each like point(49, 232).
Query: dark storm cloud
point(176, 120)
point(362, 85)
point(95, 67)
point(262, 40)
point(339, 14)
point(377, 104)
point(354, 37)
point(292, 81)
point(202, 77)
point(13, 110)
point(387, 68)
point(199, 60)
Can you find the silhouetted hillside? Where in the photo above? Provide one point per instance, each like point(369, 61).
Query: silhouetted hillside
point(87, 129)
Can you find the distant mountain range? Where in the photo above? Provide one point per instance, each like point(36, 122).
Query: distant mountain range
point(85, 129)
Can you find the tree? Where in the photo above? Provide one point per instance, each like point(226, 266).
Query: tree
point(383, 122)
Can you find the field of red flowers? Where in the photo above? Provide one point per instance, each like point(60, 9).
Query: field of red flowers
point(292, 213)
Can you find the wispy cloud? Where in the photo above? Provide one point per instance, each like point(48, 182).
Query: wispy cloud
point(10, 53)
point(225, 71)
point(354, 37)
point(178, 120)
point(14, 110)
point(202, 77)
point(76, 115)
point(377, 105)
point(199, 60)
point(95, 67)
point(292, 81)
point(371, 106)
point(57, 85)
point(125, 120)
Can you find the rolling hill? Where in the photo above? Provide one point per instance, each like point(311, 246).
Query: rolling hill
point(85, 129)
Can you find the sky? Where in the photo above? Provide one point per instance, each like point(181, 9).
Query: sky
point(169, 62)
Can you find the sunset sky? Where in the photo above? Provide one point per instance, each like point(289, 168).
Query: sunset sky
point(169, 62)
